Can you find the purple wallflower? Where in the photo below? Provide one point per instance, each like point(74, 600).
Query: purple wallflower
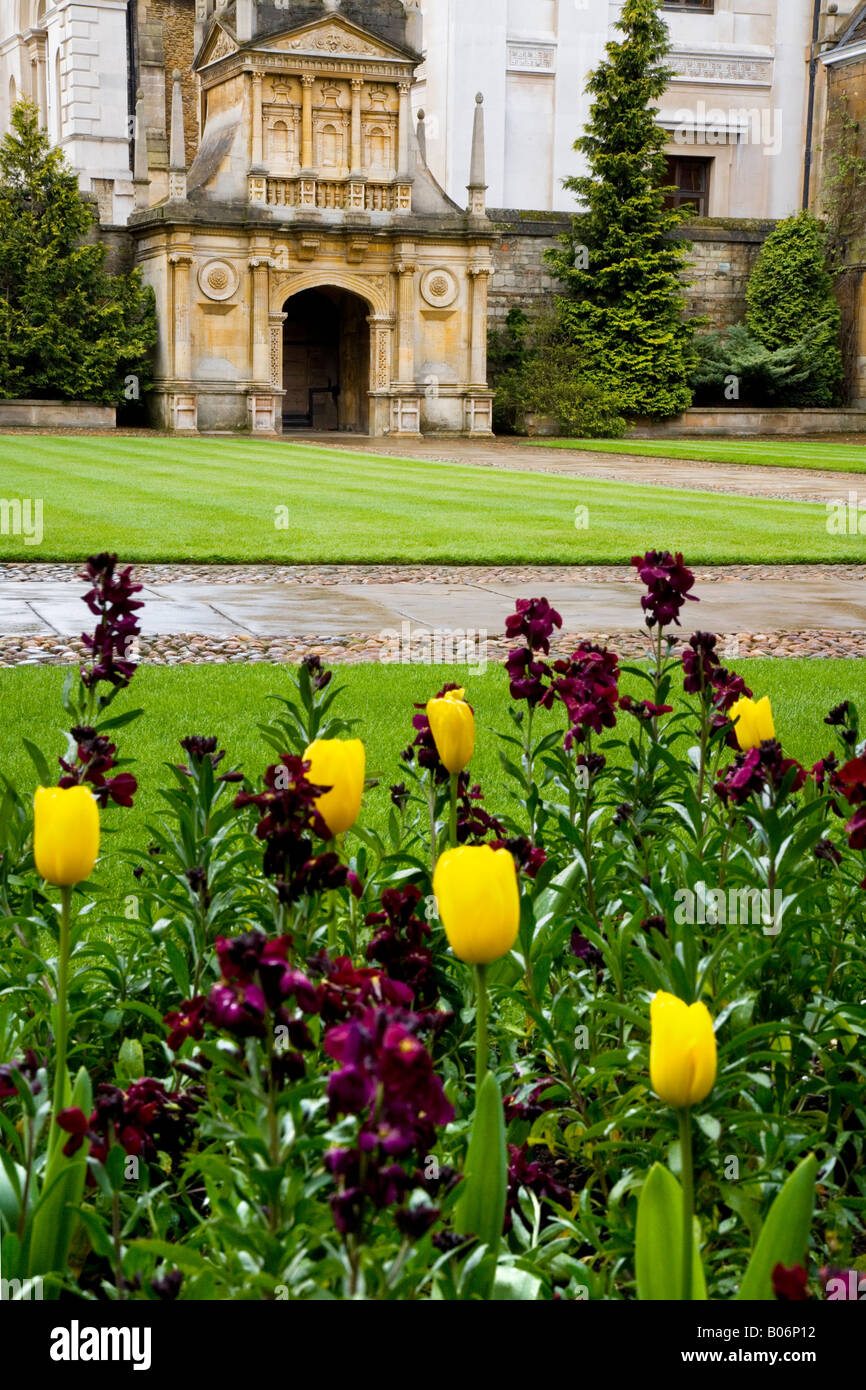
point(668, 583)
point(110, 600)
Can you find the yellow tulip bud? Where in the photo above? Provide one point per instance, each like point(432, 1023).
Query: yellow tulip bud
point(65, 834)
point(753, 722)
point(452, 725)
point(478, 900)
point(682, 1051)
point(337, 763)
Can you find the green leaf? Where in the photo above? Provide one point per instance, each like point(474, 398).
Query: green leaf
point(784, 1237)
point(130, 1060)
point(659, 1243)
point(480, 1210)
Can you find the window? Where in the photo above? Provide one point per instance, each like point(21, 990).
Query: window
point(691, 184)
point(705, 5)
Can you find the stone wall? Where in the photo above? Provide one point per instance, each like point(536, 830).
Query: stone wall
point(723, 253)
point(174, 23)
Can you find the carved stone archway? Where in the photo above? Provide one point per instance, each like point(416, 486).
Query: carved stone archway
point(374, 292)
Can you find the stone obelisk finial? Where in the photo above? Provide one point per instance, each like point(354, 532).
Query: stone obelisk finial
point(477, 181)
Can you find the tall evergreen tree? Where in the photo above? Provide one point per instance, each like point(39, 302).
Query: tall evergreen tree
point(67, 328)
point(624, 301)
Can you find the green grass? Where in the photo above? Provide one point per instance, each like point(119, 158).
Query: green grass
point(230, 701)
point(218, 500)
point(768, 453)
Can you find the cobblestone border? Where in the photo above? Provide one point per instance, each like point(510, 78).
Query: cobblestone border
point(352, 649)
point(485, 575)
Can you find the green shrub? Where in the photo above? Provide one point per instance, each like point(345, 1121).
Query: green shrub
point(536, 372)
point(790, 304)
point(734, 367)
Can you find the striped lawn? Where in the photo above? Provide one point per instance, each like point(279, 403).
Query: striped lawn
point(245, 500)
point(769, 453)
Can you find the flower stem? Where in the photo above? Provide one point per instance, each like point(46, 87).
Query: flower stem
point(62, 1030)
point(452, 815)
point(688, 1200)
point(481, 1010)
point(431, 806)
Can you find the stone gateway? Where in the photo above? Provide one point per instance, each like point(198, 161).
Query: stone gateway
point(309, 271)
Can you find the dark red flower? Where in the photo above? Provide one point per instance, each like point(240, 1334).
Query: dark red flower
point(400, 943)
point(668, 583)
point(94, 757)
point(186, 1022)
point(110, 600)
point(534, 620)
point(789, 1285)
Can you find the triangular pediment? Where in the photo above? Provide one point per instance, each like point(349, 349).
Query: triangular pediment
point(218, 44)
point(334, 37)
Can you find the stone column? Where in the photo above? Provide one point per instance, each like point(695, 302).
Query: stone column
point(307, 124)
point(478, 353)
point(42, 85)
point(406, 320)
point(257, 156)
point(405, 116)
point(259, 267)
point(356, 162)
point(181, 262)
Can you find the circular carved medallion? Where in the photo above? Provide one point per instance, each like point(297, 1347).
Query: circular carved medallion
point(439, 288)
point(218, 279)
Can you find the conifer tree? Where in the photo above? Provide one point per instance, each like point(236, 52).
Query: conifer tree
point(621, 268)
point(68, 329)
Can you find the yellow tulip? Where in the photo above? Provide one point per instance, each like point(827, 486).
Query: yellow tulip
point(65, 834)
point(753, 722)
point(682, 1051)
point(339, 764)
point(452, 725)
point(479, 901)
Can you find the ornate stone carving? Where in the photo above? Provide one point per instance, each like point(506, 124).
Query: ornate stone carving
point(531, 57)
point(728, 70)
point(222, 48)
point(218, 279)
point(333, 38)
point(439, 288)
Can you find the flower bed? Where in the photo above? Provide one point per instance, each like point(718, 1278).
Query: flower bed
point(599, 1041)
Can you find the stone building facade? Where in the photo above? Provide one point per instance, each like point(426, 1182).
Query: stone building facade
point(307, 267)
point(292, 177)
point(736, 110)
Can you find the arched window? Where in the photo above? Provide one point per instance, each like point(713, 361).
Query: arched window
point(380, 148)
point(280, 148)
point(330, 147)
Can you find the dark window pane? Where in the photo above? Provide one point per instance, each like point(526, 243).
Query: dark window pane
point(690, 180)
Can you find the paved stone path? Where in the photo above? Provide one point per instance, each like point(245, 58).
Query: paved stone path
point(381, 613)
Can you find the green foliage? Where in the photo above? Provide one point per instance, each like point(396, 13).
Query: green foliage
point(67, 328)
point(790, 301)
point(572, 1180)
point(536, 370)
point(784, 1237)
point(658, 1253)
point(734, 366)
point(843, 187)
point(621, 267)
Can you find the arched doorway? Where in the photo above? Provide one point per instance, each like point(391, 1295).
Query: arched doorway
point(326, 361)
